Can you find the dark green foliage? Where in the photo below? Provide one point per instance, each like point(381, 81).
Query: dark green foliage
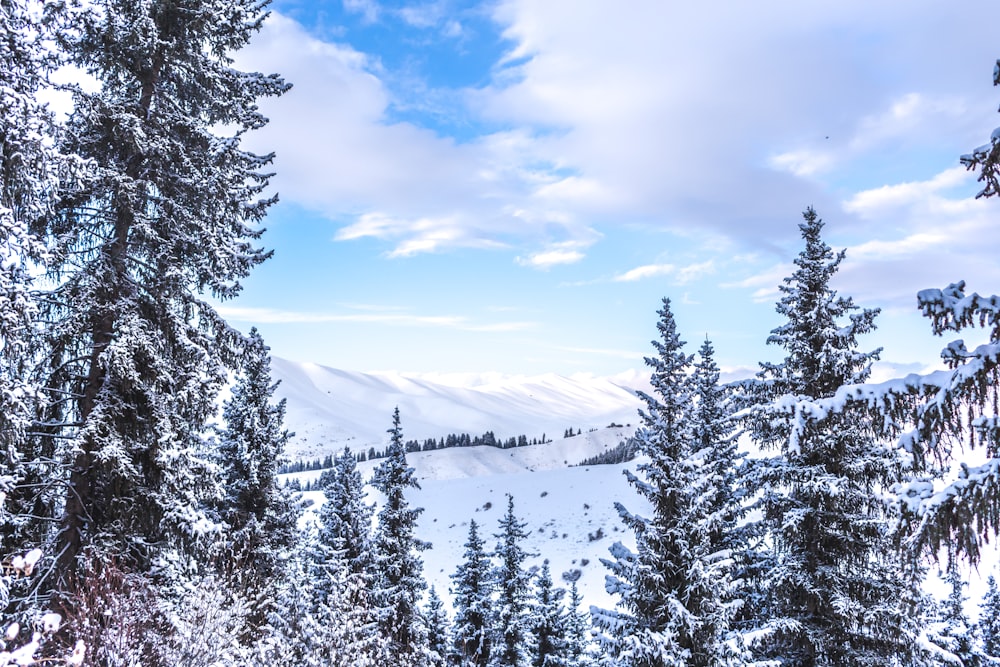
point(830, 590)
point(548, 624)
point(260, 515)
point(398, 569)
point(513, 586)
point(471, 591)
point(170, 214)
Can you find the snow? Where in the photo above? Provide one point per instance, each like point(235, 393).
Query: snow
point(570, 511)
point(330, 408)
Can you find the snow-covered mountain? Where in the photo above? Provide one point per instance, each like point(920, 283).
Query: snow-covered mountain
point(569, 510)
point(329, 408)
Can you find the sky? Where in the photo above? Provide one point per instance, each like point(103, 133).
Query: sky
point(514, 186)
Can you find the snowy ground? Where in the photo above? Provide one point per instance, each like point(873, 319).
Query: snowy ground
point(564, 506)
point(329, 408)
point(569, 511)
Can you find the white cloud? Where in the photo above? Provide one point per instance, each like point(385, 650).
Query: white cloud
point(549, 258)
point(682, 275)
point(646, 271)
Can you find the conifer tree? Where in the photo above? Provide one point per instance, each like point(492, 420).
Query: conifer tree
point(398, 569)
point(513, 586)
point(951, 630)
point(666, 587)
point(471, 591)
point(31, 174)
point(831, 593)
point(579, 649)
point(989, 620)
point(548, 623)
point(259, 514)
point(344, 520)
point(135, 351)
point(438, 639)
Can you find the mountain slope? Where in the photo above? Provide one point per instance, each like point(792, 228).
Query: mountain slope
point(329, 408)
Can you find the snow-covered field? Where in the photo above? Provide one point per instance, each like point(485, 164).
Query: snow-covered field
point(329, 408)
point(569, 510)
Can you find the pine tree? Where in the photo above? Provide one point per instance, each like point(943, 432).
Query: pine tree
point(438, 639)
point(345, 517)
point(134, 350)
point(666, 586)
point(951, 630)
point(398, 581)
point(989, 620)
point(513, 585)
point(32, 172)
point(831, 593)
point(260, 515)
point(579, 649)
point(471, 591)
point(718, 492)
point(549, 646)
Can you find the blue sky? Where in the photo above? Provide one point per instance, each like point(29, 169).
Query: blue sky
point(514, 186)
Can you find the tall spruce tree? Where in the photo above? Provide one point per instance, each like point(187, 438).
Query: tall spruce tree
point(549, 647)
point(472, 588)
point(438, 637)
point(259, 514)
point(345, 517)
point(666, 588)
point(718, 492)
point(398, 569)
point(831, 594)
point(989, 620)
point(513, 587)
point(135, 352)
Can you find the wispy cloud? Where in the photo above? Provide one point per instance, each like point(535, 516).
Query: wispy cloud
point(682, 275)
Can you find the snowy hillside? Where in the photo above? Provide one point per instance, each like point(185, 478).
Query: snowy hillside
point(569, 510)
point(329, 408)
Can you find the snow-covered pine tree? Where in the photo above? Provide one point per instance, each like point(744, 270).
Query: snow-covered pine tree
point(547, 623)
point(667, 587)
point(989, 620)
point(718, 492)
point(32, 173)
point(471, 592)
point(951, 630)
point(259, 514)
point(171, 215)
point(398, 569)
point(832, 592)
point(438, 638)
point(513, 586)
point(345, 517)
point(580, 650)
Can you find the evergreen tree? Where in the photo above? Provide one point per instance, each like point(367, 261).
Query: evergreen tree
point(579, 648)
point(718, 492)
point(667, 587)
point(831, 593)
point(989, 620)
point(513, 585)
point(549, 646)
point(438, 641)
point(259, 513)
point(135, 352)
point(951, 630)
point(345, 517)
point(31, 175)
point(471, 591)
point(397, 566)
